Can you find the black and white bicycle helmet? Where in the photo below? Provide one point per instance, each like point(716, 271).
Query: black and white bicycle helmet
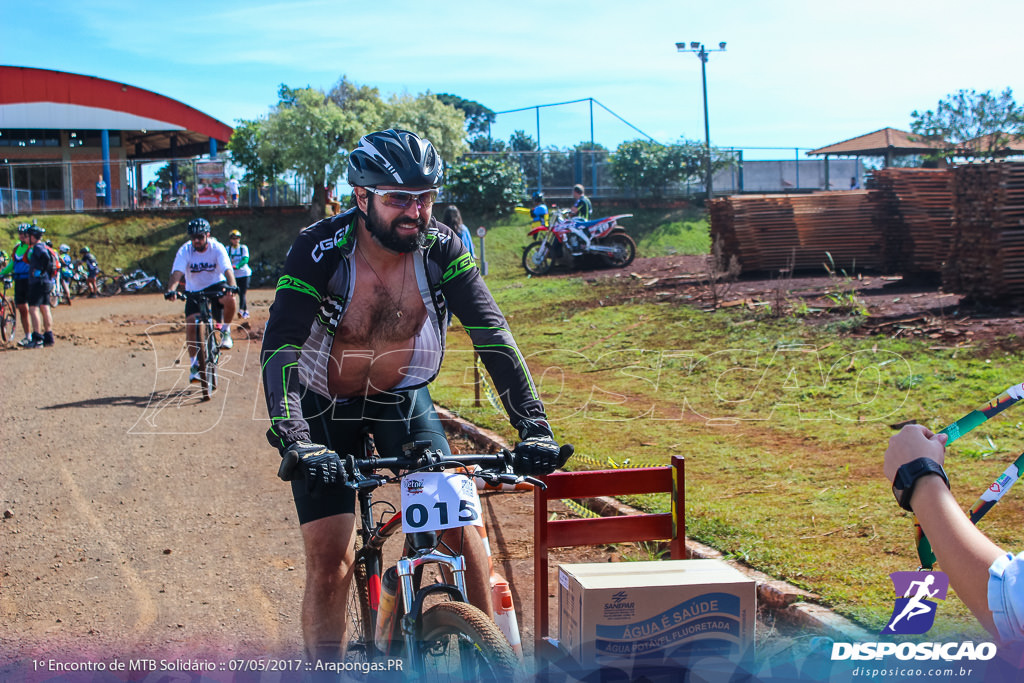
point(33, 229)
point(198, 226)
point(397, 158)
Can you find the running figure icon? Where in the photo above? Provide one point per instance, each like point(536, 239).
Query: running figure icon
point(917, 601)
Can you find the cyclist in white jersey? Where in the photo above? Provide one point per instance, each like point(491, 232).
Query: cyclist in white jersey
point(204, 265)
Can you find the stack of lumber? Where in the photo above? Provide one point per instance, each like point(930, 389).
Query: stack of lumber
point(775, 232)
point(913, 209)
point(986, 261)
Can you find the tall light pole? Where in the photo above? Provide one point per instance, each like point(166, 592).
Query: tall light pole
point(702, 54)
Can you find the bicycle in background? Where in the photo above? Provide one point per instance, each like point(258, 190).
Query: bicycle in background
point(8, 315)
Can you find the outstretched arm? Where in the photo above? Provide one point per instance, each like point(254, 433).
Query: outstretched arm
point(964, 553)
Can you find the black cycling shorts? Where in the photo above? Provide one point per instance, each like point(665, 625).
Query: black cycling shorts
point(21, 291)
point(394, 419)
point(39, 292)
point(192, 307)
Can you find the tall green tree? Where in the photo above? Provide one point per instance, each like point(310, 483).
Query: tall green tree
point(430, 118)
point(313, 135)
point(973, 124)
point(478, 117)
point(649, 168)
point(261, 163)
point(521, 141)
point(486, 185)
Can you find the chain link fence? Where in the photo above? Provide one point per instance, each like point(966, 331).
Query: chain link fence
point(68, 186)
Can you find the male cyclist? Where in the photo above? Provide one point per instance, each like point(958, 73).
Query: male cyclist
point(356, 333)
point(204, 264)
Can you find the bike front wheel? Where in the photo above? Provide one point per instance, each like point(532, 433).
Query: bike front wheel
point(458, 642)
point(537, 258)
point(10, 322)
point(212, 359)
point(358, 618)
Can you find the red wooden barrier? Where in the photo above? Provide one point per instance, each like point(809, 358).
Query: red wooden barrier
point(576, 532)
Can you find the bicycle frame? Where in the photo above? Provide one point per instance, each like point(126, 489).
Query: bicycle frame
point(208, 354)
point(419, 552)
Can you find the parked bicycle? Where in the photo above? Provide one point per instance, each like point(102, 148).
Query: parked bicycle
point(135, 282)
point(8, 316)
point(207, 340)
point(450, 639)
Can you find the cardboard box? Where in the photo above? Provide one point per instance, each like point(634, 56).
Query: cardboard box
point(672, 611)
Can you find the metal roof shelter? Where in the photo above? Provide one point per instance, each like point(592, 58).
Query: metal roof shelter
point(887, 142)
point(44, 114)
point(153, 125)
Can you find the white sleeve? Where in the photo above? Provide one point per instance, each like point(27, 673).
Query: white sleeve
point(1006, 595)
point(181, 259)
point(223, 260)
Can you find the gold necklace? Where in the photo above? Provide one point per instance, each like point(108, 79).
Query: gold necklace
point(405, 268)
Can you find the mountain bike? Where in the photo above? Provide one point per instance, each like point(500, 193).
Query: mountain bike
point(133, 283)
point(207, 339)
point(8, 317)
point(450, 639)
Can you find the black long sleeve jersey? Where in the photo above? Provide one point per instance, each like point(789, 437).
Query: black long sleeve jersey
point(314, 293)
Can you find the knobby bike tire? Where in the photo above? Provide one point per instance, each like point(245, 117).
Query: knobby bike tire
point(358, 617)
point(212, 359)
point(530, 264)
point(460, 643)
point(108, 287)
point(201, 363)
point(625, 250)
point(10, 323)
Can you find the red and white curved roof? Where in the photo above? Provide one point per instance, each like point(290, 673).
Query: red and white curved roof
point(56, 100)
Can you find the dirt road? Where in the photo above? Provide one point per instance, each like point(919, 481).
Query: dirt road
point(138, 521)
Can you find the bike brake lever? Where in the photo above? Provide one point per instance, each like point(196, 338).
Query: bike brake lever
point(536, 482)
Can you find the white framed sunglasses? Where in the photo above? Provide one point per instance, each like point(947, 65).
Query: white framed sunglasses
point(403, 199)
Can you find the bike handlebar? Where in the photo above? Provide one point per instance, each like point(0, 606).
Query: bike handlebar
point(496, 468)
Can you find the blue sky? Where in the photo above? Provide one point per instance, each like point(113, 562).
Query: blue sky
point(796, 74)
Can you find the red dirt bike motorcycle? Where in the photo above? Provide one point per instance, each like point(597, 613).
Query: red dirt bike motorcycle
point(568, 238)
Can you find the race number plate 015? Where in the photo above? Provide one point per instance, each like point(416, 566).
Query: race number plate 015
point(432, 501)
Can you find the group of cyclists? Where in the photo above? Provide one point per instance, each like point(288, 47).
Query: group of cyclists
point(36, 270)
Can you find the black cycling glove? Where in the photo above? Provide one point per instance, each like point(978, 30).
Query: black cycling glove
point(537, 453)
point(320, 466)
point(170, 296)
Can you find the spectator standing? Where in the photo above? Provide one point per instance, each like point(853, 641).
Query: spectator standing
point(582, 209)
point(239, 255)
point(40, 282)
point(101, 192)
point(232, 187)
point(453, 219)
point(18, 268)
point(158, 195)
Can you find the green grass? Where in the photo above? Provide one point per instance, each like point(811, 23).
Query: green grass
point(782, 424)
